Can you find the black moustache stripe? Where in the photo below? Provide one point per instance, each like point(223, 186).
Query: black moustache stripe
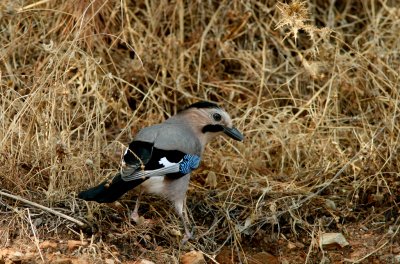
point(212, 128)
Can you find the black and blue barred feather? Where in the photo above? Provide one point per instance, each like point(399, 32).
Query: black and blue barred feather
point(189, 163)
point(140, 155)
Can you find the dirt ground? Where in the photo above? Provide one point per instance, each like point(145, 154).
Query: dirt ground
point(364, 245)
point(369, 241)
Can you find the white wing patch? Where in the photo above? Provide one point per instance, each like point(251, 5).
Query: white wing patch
point(165, 162)
point(169, 167)
point(122, 158)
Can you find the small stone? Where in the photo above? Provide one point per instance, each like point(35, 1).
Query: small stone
point(291, 245)
point(175, 232)
point(211, 179)
point(140, 221)
point(38, 222)
point(143, 261)
point(193, 257)
point(330, 204)
point(333, 239)
point(17, 254)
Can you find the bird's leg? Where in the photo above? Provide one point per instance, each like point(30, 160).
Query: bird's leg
point(181, 211)
point(135, 215)
point(188, 235)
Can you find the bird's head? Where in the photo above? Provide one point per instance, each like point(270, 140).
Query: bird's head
point(209, 121)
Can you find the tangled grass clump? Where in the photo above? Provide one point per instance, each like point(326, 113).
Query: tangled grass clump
point(314, 85)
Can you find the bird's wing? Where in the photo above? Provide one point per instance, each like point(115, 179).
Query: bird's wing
point(172, 136)
point(152, 154)
point(138, 153)
point(136, 156)
point(165, 167)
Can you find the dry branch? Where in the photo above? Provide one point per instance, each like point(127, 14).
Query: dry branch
point(44, 208)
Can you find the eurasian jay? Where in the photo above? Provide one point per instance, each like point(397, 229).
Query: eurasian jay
point(161, 158)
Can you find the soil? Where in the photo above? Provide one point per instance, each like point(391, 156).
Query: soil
point(365, 246)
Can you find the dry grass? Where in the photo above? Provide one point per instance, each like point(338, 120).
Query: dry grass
point(313, 85)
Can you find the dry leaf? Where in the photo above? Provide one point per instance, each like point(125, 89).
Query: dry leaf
point(73, 244)
point(193, 257)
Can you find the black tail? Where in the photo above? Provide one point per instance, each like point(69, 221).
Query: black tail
point(108, 192)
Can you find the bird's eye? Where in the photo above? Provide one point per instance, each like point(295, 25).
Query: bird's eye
point(217, 117)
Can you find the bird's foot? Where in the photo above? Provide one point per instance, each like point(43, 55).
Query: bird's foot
point(140, 220)
point(188, 235)
point(135, 217)
point(185, 239)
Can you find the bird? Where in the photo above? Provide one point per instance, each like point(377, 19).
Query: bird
point(161, 157)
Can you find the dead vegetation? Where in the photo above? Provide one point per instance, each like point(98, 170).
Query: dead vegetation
point(313, 85)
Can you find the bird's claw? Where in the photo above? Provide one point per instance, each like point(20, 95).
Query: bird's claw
point(135, 217)
point(139, 220)
point(188, 235)
point(186, 238)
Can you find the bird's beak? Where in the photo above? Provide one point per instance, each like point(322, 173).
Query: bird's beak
point(233, 133)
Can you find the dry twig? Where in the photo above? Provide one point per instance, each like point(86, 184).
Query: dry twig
point(47, 209)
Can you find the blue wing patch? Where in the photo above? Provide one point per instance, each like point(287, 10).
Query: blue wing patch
point(189, 163)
